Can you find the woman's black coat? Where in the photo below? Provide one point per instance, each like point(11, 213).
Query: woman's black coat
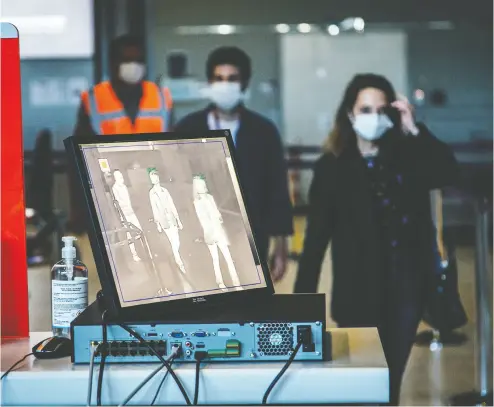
point(340, 211)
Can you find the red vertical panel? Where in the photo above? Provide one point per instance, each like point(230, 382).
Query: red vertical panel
point(14, 289)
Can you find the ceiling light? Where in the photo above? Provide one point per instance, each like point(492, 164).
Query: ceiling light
point(347, 24)
point(358, 24)
point(54, 24)
point(282, 28)
point(333, 29)
point(441, 25)
point(225, 29)
point(304, 28)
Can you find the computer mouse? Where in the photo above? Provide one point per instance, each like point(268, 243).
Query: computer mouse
point(53, 348)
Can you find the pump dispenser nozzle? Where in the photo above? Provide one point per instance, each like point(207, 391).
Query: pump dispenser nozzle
point(68, 251)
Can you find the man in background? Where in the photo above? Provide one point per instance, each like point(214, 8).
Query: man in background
point(127, 103)
point(258, 151)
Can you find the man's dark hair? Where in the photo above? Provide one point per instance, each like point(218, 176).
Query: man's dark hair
point(123, 41)
point(230, 56)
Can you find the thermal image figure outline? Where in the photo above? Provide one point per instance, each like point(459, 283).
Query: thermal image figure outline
point(122, 196)
point(165, 215)
point(215, 235)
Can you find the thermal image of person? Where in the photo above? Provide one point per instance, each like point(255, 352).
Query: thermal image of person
point(215, 235)
point(122, 197)
point(165, 215)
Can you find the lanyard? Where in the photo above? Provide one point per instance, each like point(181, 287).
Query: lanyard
point(217, 125)
point(216, 121)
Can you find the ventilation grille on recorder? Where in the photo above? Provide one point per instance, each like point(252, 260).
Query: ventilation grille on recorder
point(275, 339)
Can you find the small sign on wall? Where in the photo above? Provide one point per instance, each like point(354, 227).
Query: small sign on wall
point(57, 91)
point(186, 89)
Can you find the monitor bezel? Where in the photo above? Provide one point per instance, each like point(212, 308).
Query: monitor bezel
point(101, 258)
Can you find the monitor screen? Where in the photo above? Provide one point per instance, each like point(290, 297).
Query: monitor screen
point(172, 219)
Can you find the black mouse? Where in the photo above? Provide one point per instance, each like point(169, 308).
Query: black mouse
point(53, 348)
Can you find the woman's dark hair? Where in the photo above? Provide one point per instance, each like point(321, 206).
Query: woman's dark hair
point(230, 56)
point(342, 135)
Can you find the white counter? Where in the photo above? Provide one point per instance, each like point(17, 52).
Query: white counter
point(358, 374)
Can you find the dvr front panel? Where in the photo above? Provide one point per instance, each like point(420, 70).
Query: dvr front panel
point(270, 341)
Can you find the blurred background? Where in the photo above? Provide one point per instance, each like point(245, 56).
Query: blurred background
point(438, 53)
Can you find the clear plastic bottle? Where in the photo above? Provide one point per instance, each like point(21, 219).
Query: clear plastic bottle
point(69, 289)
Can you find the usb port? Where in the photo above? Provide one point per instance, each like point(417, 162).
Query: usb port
point(152, 334)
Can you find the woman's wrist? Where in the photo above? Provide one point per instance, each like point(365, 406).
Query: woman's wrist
point(412, 130)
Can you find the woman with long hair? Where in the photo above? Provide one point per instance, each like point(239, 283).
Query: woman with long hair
point(370, 197)
point(214, 233)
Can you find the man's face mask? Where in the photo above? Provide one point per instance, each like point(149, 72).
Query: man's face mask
point(226, 95)
point(132, 72)
point(371, 126)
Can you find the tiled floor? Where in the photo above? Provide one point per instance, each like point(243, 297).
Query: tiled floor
point(432, 377)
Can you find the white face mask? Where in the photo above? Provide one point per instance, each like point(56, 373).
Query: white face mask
point(132, 72)
point(371, 126)
point(226, 95)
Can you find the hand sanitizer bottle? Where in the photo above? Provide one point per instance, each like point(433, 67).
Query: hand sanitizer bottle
point(69, 281)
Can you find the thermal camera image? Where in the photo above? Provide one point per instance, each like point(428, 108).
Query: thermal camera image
point(172, 219)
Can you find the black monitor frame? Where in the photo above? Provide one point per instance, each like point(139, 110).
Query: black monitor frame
point(101, 258)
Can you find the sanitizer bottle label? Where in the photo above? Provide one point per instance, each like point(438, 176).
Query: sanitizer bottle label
point(69, 299)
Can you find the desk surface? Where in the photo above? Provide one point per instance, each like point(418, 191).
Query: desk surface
point(357, 374)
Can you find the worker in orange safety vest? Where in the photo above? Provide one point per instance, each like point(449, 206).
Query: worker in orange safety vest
point(127, 103)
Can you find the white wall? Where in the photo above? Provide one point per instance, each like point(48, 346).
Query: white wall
point(52, 28)
point(316, 68)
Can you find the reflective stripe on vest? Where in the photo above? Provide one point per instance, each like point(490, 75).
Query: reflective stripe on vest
point(162, 110)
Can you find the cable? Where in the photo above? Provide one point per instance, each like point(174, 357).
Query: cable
point(165, 363)
point(15, 364)
point(104, 353)
point(196, 387)
point(281, 373)
point(161, 384)
point(19, 361)
point(175, 351)
point(199, 356)
point(94, 350)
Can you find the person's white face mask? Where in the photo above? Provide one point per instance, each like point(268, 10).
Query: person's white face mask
point(132, 72)
point(226, 95)
point(371, 126)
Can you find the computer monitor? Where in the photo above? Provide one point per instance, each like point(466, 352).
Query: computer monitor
point(167, 221)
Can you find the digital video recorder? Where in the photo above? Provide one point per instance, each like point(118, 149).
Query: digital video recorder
point(267, 331)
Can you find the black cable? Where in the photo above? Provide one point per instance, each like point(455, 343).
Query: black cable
point(165, 363)
point(281, 373)
point(142, 384)
point(196, 387)
point(161, 384)
point(199, 356)
point(104, 353)
point(15, 364)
